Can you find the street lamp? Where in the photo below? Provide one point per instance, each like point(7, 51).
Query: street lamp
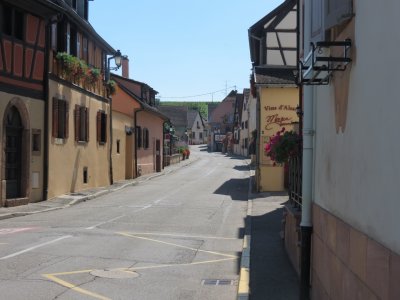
point(117, 60)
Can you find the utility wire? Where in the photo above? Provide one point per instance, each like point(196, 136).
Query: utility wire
point(193, 96)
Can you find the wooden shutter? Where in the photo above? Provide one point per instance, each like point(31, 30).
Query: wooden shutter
point(77, 114)
point(138, 137)
point(55, 118)
point(87, 123)
point(66, 125)
point(336, 12)
point(105, 127)
point(98, 126)
point(317, 29)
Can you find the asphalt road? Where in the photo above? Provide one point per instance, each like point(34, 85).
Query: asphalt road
point(177, 236)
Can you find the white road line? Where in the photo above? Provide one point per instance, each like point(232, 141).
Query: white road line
point(105, 222)
point(116, 218)
point(35, 247)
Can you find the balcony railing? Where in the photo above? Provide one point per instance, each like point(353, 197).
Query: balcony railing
point(324, 59)
point(95, 86)
point(295, 179)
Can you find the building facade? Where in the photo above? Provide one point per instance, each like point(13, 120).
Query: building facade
point(23, 100)
point(140, 133)
point(274, 83)
point(350, 170)
point(78, 104)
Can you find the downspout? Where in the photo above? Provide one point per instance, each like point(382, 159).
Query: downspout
point(46, 111)
point(258, 138)
point(135, 124)
point(307, 183)
point(111, 177)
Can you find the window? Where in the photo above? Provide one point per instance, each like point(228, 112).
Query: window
point(81, 124)
point(36, 141)
point(193, 135)
point(118, 146)
point(101, 127)
point(326, 14)
point(85, 175)
point(246, 124)
point(336, 12)
point(60, 119)
point(145, 138)
point(200, 135)
point(12, 22)
point(138, 137)
point(73, 42)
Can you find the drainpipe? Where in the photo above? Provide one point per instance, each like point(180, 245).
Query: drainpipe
point(135, 124)
point(111, 177)
point(258, 138)
point(307, 184)
point(46, 111)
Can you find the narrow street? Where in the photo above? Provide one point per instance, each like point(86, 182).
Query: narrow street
point(177, 236)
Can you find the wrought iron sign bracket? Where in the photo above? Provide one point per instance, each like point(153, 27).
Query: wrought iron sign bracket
point(321, 62)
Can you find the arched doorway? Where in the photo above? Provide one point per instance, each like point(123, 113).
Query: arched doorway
point(13, 154)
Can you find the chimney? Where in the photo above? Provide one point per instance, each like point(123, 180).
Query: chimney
point(125, 67)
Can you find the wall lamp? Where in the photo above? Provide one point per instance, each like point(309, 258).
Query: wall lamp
point(299, 111)
point(117, 60)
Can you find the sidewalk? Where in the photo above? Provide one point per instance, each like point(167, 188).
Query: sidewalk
point(68, 200)
point(265, 265)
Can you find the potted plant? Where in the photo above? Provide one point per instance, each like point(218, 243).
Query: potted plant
point(111, 86)
point(93, 75)
point(187, 153)
point(282, 146)
point(67, 62)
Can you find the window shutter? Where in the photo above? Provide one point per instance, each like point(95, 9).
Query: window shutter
point(317, 30)
point(105, 128)
point(87, 124)
point(66, 125)
point(138, 137)
point(336, 12)
point(55, 118)
point(98, 126)
point(76, 118)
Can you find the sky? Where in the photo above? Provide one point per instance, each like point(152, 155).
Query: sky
point(187, 50)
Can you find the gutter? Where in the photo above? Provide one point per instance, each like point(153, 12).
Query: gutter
point(135, 124)
point(308, 172)
point(46, 113)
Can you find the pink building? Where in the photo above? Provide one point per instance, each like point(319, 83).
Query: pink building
point(143, 149)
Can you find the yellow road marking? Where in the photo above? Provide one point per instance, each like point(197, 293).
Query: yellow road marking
point(184, 236)
point(53, 277)
point(74, 287)
point(175, 265)
point(70, 273)
point(175, 245)
point(244, 281)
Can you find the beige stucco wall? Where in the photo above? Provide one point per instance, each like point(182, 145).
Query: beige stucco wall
point(35, 111)
point(278, 109)
point(120, 160)
point(146, 158)
point(67, 158)
point(357, 170)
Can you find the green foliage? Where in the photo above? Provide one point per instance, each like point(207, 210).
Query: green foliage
point(112, 87)
point(202, 107)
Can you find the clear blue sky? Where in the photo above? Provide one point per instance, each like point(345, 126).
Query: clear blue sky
point(183, 47)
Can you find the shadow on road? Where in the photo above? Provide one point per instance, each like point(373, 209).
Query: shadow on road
point(271, 274)
point(241, 168)
point(236, 188)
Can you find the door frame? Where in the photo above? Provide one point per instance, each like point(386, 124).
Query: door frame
point(25, 154)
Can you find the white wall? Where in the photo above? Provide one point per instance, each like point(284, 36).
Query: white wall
point(197, 140)
point(357, 172)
